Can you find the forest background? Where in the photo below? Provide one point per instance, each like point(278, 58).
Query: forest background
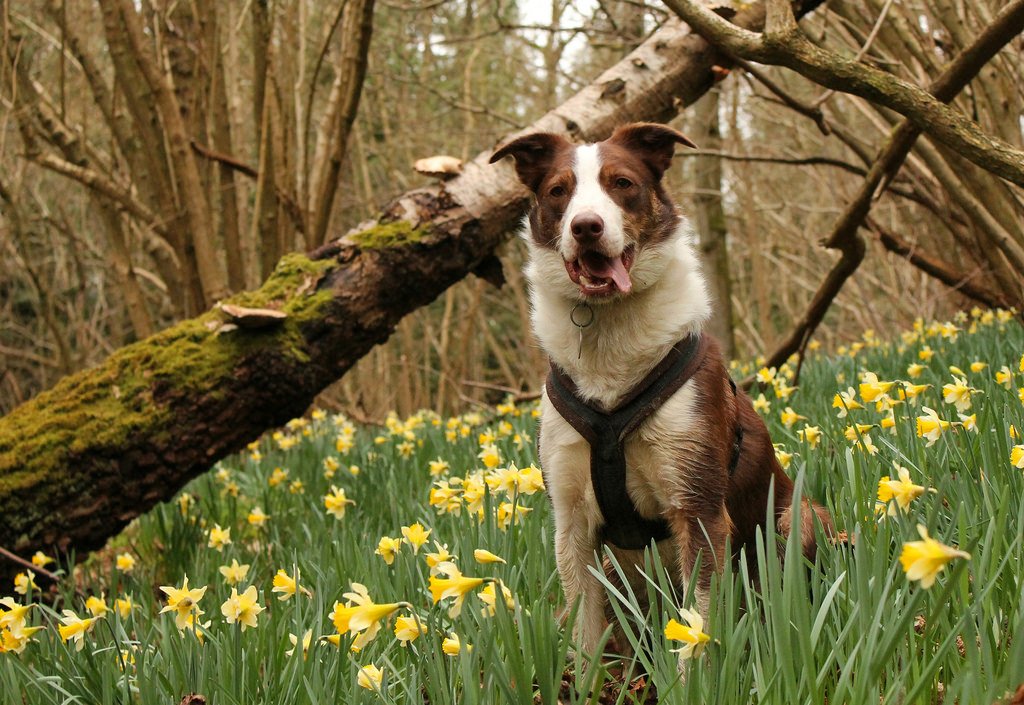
point(156, 156)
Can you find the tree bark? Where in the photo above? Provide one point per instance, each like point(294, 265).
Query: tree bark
point(80, 461)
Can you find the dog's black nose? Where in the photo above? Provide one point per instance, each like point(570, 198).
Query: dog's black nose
point(587, 227)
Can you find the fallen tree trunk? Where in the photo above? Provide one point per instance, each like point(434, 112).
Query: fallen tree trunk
point(81, 460)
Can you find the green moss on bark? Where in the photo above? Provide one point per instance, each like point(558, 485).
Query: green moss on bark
point(104, 407)
point(383, 235)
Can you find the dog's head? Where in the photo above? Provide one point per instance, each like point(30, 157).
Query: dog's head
point(600, 208)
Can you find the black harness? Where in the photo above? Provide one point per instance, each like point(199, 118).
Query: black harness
point(606, 432)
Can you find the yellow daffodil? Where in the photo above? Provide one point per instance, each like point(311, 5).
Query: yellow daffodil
point(790, 417)
point(185, 502)
point(871, 388)
point(287, 585)
point(331, 466)
point(1017, 456)
point(96, 606)
point(958, 393)
point(335, 502)
point(454, 585)
point(930, 426)
point(923, 560)
point(474, 490)
point(810, 435)
point(125, 562)
point(854, 432)
point(297, 487)
point(924, 354)
point(361, 616)
point(307, 638)
point(406, 448)
point(508, 513)
point(438, 467)
point(437, 557)
point(74, 628)
point(14, 640)
point(489, 596)
point(234, 573)
point(888, 422)
point(124, 606)
point(691, 634)
point(898, 493)
point(504, 479)
point(977, 366)
point(243, 609)
point(531, 480)
point(912, 391)
point(416, 536)
point(370, 677)
point(277, 477)
point(484, 556)
point(183, 602)
point(915, 369)
point(445, 498)
point(1004, 377)
point(15, 614)
point(41, 560)
point(388, 547)
point(453, 646)
point(765, 375)
point(257, 518)
point(25, 582)
point(490, 455)
point(845, 402)
point(219, 538)
point(784, 458)
point(408, 629)
point(762, 405)
point(969, 423)
point(865, 444)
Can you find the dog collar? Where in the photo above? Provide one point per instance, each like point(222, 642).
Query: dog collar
point(606, 432)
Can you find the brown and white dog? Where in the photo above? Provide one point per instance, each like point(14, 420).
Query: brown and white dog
point(604, 231)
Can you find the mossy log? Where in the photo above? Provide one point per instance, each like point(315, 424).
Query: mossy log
point(81, 460)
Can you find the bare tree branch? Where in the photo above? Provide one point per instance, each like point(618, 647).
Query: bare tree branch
point(844, 236)
point(965, 282)
point(783, 44)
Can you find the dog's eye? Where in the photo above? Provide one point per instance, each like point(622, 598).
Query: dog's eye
point(557, 191)
point(623, 182)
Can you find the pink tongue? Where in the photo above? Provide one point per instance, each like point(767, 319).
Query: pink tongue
point(600, 267)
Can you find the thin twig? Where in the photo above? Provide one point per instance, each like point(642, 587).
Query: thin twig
point(43, 572)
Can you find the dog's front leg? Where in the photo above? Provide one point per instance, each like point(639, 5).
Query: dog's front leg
point(576, 544)
point(700, 538)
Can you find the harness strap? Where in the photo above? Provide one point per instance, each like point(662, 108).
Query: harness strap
point(606, 432)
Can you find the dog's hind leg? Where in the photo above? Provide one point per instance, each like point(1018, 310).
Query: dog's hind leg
point(810, 514)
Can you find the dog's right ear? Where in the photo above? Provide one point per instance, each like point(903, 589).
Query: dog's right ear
point(534, 156)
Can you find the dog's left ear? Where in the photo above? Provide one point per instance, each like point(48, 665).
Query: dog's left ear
point(654, 143)
point(534, 156)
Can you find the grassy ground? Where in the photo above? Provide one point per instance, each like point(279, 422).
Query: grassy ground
point(854, 629)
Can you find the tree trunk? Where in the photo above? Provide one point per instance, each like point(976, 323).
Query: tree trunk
point(81, 460)
point(709, 220)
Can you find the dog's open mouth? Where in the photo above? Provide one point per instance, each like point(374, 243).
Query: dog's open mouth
point(599, 275)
